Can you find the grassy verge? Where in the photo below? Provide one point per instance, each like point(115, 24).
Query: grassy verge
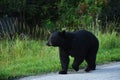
point(29, 57)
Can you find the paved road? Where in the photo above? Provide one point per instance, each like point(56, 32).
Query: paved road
point(105, 72)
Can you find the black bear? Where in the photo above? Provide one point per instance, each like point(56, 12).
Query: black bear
point(82, 45)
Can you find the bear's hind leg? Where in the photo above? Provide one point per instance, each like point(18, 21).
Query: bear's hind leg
point(91, 61)
point(76, 63)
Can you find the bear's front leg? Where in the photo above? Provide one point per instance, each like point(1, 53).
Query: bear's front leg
point(64, 59)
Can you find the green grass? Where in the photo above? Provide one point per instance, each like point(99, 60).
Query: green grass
point(21, 58)
point(30, 57)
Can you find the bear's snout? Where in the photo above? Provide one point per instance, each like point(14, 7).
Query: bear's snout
point(49, 43)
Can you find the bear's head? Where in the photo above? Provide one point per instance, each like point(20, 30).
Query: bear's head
point(56, 38)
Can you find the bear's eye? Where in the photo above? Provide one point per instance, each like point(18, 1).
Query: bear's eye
point(52, 38)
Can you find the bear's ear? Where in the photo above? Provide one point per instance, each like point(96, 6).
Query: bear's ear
point(62, 33)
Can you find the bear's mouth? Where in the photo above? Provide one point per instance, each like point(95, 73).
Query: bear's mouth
point(48, 44)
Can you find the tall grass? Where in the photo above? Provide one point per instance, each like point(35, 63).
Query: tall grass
point(26, 57)
point(29, 57)
point(109, 40)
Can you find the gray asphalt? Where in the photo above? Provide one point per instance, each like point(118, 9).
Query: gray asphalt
point(104, 72)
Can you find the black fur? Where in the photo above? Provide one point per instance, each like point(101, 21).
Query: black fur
point(82, 45)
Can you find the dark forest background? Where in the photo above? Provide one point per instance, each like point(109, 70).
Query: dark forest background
point(41, 16)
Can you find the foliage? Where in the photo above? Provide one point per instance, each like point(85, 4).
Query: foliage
point(108, 40)
point(38, 12)
point(11, 7)
point(56, 14)
point(110, 13)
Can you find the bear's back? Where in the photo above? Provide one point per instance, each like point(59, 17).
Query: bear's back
point(84, 38)
point(85, 35)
